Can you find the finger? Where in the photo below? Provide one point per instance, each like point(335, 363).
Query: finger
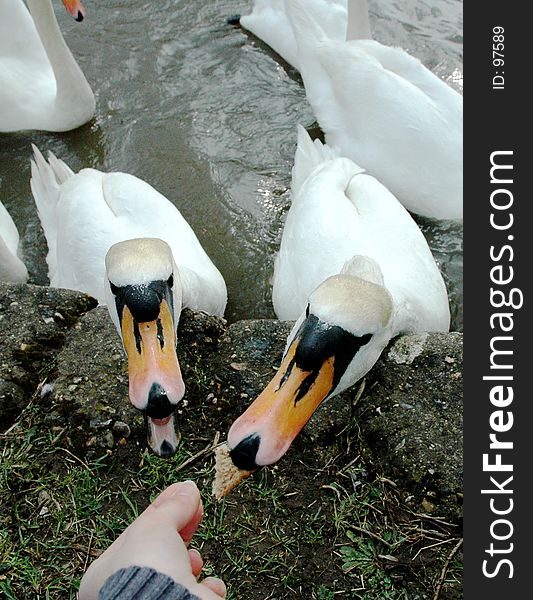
point(180, 507)
point(216, 585)
point(190, 529)
point(169, 492)
point(196, 562)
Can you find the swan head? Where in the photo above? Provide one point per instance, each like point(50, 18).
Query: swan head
point(346, 325)
point(75, 9)
point(143, 294)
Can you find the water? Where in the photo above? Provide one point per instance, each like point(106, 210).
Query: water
point(207, 114)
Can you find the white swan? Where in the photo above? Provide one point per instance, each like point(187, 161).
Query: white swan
point(387, 112)
point(269, 21)
point(145, 282)
point(355, 271)
point(41, 85)
point(11, 267)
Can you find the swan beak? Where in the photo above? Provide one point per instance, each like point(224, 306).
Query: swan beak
point(75, 9)
point(162, 436)
point(155, 382)
point(262, 434)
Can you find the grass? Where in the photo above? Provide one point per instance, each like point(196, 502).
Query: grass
point(323, 529)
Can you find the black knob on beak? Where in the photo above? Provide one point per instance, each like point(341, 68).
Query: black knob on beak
point(158, 406)
point(245, 452)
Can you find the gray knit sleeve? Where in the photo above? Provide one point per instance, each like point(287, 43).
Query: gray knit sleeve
point(143, 583)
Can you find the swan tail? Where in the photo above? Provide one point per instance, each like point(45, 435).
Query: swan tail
point(61, 170)
point(309, 155)
point(45, 182)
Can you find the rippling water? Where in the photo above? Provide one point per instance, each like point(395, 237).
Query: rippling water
point(207, 114)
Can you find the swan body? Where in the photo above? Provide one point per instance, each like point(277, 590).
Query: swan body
point(115, 237)
point(41, 85)
point(270, 22)
point(84, 214)
point(387, 112)
point(11, 267)
point(354, 271)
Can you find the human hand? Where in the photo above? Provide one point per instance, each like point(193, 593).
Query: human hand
point(158, 538)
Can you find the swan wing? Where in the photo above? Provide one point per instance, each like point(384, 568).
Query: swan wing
point(340, 212)
point(8, 230)
point(84, 214)
point(388, 235)
point(317, 235)
point(145, 212)
point(409, 68)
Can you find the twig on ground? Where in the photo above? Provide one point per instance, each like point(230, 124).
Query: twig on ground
point(372, 535)
point(209, 448)
point(445, 568)
point(433, 546)
point(88, 552)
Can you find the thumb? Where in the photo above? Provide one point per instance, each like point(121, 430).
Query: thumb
point(178, 505)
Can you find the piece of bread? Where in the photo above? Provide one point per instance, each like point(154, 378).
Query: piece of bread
point(227, 475)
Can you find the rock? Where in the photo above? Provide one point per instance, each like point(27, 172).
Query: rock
point(12, 401)
point(31, 334)
point(411, 417)
point(93, 357)
point(98, 402)
point(121, 429)
point(409, 413)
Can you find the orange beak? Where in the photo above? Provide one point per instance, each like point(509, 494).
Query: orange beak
point(275, 418)
point(155, 382)
point(75, 9)
point(152, 359)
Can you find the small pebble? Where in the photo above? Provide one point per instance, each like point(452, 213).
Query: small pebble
point(121, 428)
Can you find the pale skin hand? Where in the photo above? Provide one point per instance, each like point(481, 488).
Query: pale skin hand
point(158, 538)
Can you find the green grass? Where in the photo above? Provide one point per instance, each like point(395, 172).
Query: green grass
point(282, 534)
point(49, 515)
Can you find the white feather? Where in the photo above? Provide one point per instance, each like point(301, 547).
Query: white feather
point(84, 214)
point(387, 112)
point(41, 85)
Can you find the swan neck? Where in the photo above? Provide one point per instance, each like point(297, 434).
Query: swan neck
point(358, 27)
point(71, 82)
point(11, 267)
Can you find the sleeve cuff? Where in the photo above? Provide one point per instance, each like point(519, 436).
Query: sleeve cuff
point(140, 583)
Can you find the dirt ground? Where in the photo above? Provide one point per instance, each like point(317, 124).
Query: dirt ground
point(321, 524)
point(326, 521)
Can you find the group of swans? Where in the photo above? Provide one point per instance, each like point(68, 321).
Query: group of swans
point(380, 106)
point(110, 235)
point(353, 268)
